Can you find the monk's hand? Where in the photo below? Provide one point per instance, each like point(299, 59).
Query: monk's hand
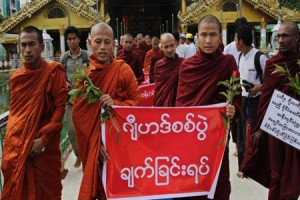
point(104, 156)
point(37, 147)
point(256, 89)
point(106, 101)
point(230, 111)
point(256, 138)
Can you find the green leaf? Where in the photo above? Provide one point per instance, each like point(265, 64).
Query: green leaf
point(92, 100)
point(224, 94)
point(279, 69)
point(104, 119)
point(74, 91)
point(236, 93)
point(297, 78)
point(225, 83)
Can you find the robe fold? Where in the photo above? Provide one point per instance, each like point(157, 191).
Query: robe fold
point(117, 80)
point(198, 85)
point(37, 104)
point(284, 179)
point(141, 50)
point(153, 62)
point(133, 60)
point(166, 72)
point(148, 58)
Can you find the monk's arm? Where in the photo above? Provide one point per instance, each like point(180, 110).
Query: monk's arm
point(127, 89)
point(58, 90)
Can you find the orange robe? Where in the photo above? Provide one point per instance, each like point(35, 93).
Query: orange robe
point(37, 105)
point(119, 82)
point(148, 58)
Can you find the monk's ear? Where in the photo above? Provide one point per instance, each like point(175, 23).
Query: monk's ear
point(89, 41)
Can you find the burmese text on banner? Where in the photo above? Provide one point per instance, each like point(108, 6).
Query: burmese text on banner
point(147, 92)
point(163, 152)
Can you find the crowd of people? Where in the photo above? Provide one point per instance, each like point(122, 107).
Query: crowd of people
point(184, 74)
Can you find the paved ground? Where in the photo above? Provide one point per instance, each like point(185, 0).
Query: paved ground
point(242, 189)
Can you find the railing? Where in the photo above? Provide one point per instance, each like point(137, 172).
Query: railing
point(3, 122)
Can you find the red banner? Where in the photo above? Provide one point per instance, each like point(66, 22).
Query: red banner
point(147, 92)
point(147, 79)
point(163, 152)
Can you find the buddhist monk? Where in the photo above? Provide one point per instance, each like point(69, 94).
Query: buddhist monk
point(284, 159)
point(131, 58)
point(141, 47)
point(31, 155)
point(155, 51)
point(118, 84)
point(166, 72)
point(120, 47)
point(198, 85)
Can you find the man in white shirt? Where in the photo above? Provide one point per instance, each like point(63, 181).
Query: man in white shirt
point(190, 46)
point(180, 49)
point(231, 48)
point(251, 63)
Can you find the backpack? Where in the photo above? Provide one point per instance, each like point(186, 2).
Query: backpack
point(256, 64)
point(84, 54)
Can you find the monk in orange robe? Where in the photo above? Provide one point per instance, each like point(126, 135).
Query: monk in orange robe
point(119, 87)
point(131, 57)
point(166, 72)
point(31, 155)
point(198, 85)
point(155, 51)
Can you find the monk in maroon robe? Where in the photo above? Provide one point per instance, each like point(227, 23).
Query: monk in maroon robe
point(153, 62)
point(284, 159)
point(198, 85)
point(131, 58)
point(141, 47)
point(166, 72)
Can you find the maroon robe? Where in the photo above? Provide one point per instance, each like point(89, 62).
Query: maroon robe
point(152, 64)
point(166, 72)
point(198, 85)
point(119, 50)
point(133, 60)
point(141, 50)
point(284, 159)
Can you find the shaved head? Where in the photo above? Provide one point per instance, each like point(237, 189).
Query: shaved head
point(168, 45)
point(210, 19)
point(155, 39)
point(288, 37)
point(102, 43)
point(293, 27)
point(128, 35)
point(102, 27)
point(166, 36)
point(155, 43)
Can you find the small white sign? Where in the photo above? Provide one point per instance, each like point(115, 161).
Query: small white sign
point(282, 119)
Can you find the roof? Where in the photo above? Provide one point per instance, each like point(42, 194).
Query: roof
point(269, 7)
point(81, 8)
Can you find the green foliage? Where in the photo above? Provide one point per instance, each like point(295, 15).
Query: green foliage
point(232, 88)
point(294, 82)
point(86, 89)
point(291, 4)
